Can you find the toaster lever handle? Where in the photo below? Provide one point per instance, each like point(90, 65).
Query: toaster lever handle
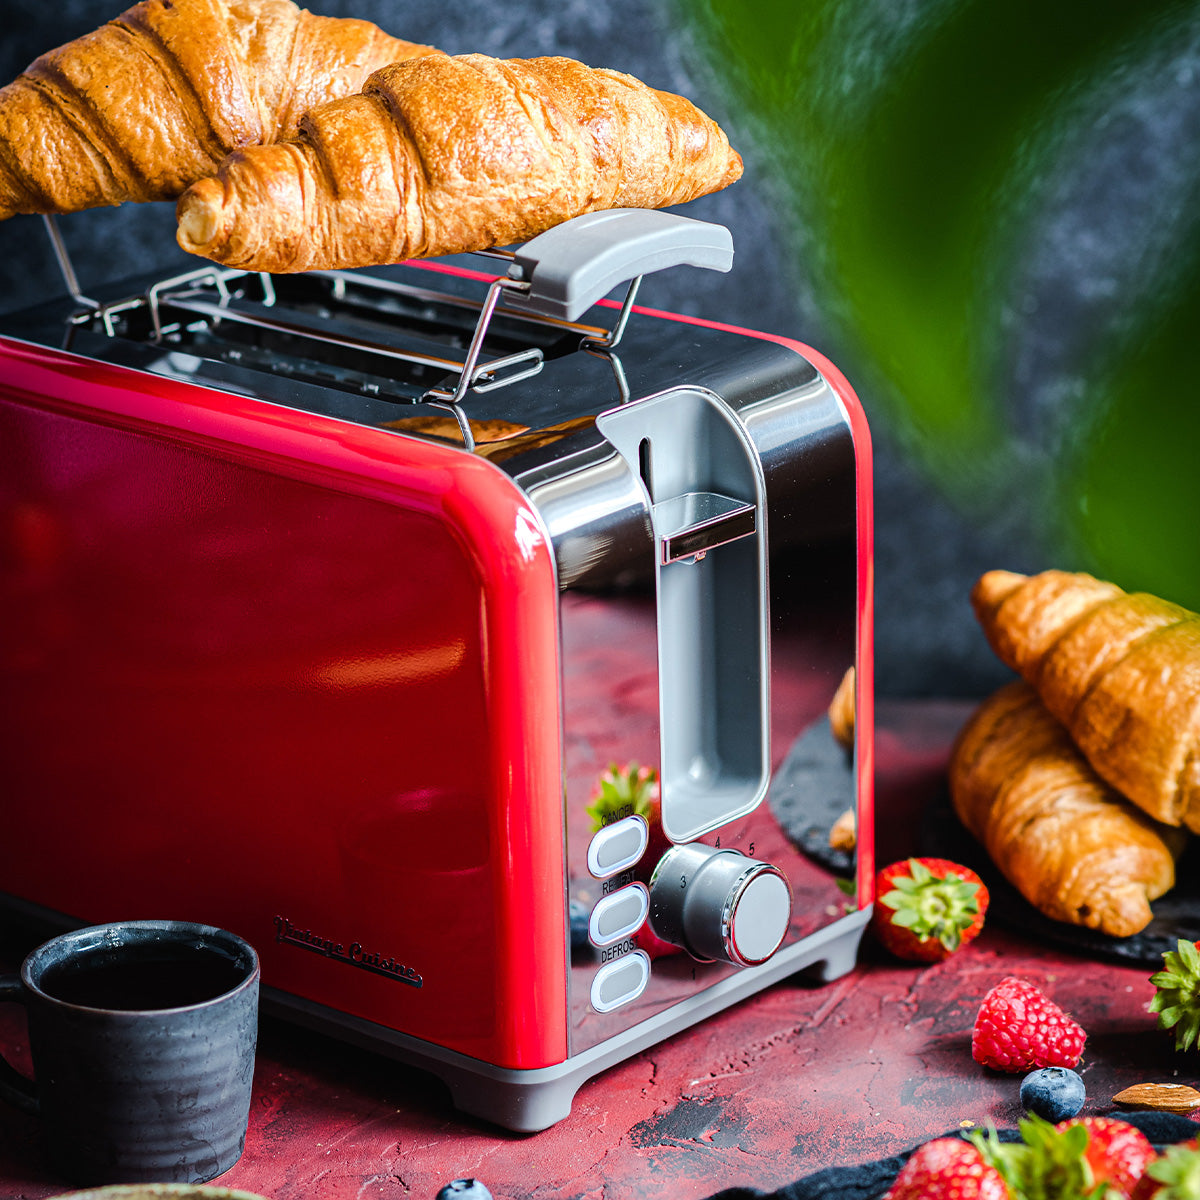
point(570, 267)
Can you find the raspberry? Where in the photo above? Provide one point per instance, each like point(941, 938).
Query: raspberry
point(1018, 1029)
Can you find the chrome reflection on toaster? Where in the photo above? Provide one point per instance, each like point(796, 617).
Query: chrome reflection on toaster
point(469, 629)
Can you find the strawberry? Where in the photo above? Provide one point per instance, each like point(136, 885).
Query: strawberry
point(1086, 1158)
point(623, 791)
point(1017, 1029)
point(927, 908)
point(1046, 1164)
point(948, 1169)
point(1175, 1175)
point(631, 790)
point(653, 945)
point(1177, 993)
point(1117, 1153)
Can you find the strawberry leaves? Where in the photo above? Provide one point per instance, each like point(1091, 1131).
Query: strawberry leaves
point(624, 791)
point(1177, 994)
point(928, 908)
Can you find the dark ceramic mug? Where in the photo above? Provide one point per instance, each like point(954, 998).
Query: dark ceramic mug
point(142, 1035)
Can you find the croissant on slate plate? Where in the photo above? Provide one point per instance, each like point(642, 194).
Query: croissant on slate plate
point(441, 155)
point(1120, 670)
point(1070, 845)
point(156, 98)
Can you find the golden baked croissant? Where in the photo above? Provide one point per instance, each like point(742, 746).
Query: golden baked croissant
point(442, 154)
point(841, 712)
point(1120, 670)
point(1069, 844)
point(156, 98)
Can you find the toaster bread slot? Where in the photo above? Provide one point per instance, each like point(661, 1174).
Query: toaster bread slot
point(705, 493)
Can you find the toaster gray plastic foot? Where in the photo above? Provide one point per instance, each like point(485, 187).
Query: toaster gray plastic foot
point(521, 1107)
point(840, 961)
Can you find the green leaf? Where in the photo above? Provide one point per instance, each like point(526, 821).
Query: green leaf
point(1178, 1169)
point(942, 169)
point(1190, 956)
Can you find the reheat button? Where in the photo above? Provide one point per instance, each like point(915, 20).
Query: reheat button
point(619, 914)
point(617, 846)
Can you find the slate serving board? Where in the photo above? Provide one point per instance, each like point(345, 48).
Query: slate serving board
point(815, 785)
point(812, 788)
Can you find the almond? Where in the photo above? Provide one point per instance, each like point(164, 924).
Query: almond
point(1165, 1097)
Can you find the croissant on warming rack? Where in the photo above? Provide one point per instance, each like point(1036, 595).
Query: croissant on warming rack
point(1120, 670)
point(156, 98)
point(1069, 844)
point(441, 155)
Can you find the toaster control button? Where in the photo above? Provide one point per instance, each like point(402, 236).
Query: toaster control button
point(617, 846)
point(620, 981)
point(720, 905)
point(619, 914)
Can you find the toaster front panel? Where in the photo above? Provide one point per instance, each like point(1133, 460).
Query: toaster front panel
point(316, 708)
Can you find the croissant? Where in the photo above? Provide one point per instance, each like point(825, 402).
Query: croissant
point(156, 98)
point(841, 712)
point(1120, 670)
point(441, 155)
point(1066, 841)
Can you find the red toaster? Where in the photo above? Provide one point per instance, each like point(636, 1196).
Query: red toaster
point(331, 600)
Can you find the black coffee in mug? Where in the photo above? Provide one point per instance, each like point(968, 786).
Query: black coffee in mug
point(149, 976)
point(122, 1018)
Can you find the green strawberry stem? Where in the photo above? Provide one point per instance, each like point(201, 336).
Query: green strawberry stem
point(933, 906)
point(1046, 1164)
point(627, 790)
point(1178, 1170)
point(1177, 995)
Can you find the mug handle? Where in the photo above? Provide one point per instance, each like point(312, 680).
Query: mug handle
point(15, 1087)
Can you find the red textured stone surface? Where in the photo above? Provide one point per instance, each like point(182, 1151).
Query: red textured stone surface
point(798, 1078)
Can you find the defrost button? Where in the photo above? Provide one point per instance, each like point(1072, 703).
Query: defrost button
point(617, 846)
point(620, 981)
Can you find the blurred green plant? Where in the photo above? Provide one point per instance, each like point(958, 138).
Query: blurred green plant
point(997, 207)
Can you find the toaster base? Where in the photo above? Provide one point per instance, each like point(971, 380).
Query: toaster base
point(527, 1101)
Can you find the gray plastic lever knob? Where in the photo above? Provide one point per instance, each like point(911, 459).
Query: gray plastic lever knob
point(574, 264)
point(720, 905)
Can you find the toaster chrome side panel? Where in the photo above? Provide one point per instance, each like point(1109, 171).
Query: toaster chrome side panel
point(713, 666)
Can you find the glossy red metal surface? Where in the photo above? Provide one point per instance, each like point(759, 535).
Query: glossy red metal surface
point(291, 676)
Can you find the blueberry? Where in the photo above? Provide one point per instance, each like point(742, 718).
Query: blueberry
point(464, 1189)
point(1054, 1093)
point(579, 927)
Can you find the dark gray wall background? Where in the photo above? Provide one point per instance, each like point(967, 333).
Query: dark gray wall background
point(927, 556)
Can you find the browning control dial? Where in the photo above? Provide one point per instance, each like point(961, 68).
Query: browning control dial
point(719, 904)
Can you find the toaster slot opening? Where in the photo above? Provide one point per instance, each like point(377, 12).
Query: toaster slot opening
point(704, 490)
point(354, 332)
